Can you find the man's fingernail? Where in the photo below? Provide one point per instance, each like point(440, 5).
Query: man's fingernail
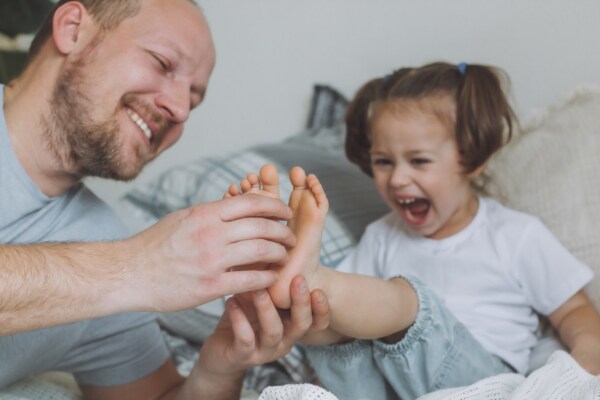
point(260, 293)
point(321, 298)
point(302, 288)
point(233, 303)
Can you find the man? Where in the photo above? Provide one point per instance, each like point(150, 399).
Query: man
point(108, 87)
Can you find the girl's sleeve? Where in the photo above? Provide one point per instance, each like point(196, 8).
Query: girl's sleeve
point(548, 273)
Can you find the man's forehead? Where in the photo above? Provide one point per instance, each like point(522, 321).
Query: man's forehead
point(175, 21)
point(180, 27)
point(170, 2)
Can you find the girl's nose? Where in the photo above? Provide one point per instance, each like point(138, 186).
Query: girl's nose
point(400, 177)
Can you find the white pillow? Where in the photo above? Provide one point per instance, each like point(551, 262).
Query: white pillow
point(552, 170)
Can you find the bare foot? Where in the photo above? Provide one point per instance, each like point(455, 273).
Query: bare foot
point(266, 183)
point(310, 206)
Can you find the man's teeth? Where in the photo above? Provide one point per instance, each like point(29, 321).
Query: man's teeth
point(140, 122)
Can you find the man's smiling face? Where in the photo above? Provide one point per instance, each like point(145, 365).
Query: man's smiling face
point(123, 99)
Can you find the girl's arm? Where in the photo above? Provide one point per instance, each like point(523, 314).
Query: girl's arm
point(578, 323)
point(364, 307)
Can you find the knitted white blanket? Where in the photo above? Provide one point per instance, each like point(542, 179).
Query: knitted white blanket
point(560, 378)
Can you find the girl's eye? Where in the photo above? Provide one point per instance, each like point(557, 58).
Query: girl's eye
point(419, 161)
point(381, 161)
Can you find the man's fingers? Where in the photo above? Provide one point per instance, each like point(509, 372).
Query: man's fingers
point(271, 328)
point(320, 310)
point(301, 314)
point(244, 338)
point(253, 205)
point(249, 252)
point(259, 228)
point(244, 281)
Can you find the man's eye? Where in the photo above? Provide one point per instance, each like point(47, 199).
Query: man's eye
point(163, 64)
point(419, 161)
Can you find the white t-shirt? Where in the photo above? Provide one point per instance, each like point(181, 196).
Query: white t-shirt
point(493, 275)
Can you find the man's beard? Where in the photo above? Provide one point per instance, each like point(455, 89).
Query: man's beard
point(82, 146)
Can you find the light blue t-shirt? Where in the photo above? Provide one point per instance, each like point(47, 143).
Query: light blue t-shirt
point(106, 351)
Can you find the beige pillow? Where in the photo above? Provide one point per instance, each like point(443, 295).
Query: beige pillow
point(552, 170)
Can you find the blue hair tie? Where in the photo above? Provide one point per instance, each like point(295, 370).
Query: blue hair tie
point(462, 68)
point(387, 77)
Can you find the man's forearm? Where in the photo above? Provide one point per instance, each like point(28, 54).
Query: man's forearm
point(43, 285)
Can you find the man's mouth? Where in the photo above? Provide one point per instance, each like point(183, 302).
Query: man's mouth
point(140, 122)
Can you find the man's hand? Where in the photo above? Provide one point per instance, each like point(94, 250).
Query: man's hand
point(253, 332)
point(179, 263)
point(183, 260)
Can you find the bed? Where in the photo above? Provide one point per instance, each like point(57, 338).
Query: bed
point(550, 170)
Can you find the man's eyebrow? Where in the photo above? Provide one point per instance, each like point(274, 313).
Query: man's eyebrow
point(174, 47)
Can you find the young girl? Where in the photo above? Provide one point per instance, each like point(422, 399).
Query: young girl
point(478, 271)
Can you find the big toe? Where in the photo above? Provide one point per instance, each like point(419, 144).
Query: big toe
point(269, 178)
point(298, 180)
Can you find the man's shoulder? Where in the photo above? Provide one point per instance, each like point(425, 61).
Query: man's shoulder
point(77, 215)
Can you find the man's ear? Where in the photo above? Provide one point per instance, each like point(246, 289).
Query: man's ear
point(67, 26)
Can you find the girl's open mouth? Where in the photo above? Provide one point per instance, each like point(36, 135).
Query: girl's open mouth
point(414, 210)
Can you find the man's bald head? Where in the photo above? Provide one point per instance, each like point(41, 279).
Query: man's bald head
point(108, 14)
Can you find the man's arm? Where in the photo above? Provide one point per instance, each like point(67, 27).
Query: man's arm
point(251, 332)
point(180, 262)
point(49, 284)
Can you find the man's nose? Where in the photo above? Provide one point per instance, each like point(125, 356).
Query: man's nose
point(175, 100)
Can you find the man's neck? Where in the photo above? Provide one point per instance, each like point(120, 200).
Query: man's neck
point(25, 104)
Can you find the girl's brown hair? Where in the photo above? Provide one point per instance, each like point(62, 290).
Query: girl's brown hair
point(484, 118)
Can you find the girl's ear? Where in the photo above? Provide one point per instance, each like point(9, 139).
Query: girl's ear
point(477, 171)
point(67, 26)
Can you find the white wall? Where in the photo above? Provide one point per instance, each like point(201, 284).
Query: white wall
point(271, 52)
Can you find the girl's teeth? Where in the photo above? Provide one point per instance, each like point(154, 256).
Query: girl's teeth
point(406, 201)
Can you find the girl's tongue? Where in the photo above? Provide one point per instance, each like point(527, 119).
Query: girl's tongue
point(415, 213)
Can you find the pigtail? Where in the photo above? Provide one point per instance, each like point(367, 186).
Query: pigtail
point(358, 140)
point(484, 117)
